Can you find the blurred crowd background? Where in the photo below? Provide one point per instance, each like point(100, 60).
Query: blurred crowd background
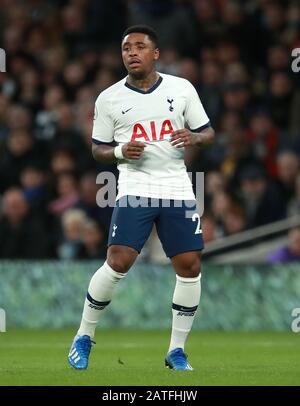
point(62, 54)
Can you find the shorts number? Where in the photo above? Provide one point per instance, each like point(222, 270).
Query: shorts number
point(196, 217)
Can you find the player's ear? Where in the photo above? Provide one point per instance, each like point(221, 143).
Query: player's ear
point(156, 54)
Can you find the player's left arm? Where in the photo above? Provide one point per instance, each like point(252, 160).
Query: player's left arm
point(185, 137)
point(199, 131)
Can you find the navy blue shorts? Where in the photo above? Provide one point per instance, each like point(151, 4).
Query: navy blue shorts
point(178, 228)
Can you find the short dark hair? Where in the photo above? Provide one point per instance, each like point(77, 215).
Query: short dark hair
point(144, 29)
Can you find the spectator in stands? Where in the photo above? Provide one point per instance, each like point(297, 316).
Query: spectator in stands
point(189, 69)
point(34, 187)
point(74, 25)
point(73, 221)
point(234, 219)
point(236, 97)
point(283, 102)
point(219, 205)
point(236, 154)
point(264, 138)
point(105, 77)
point(169, 61)
point(289, 252)
point(293, 208)
point(53, 61)
point(236, 72)
point(287, 168)
point(45, 121)
point(88, 189)
point(67, 136)
point(93, 242)
point(19, 118)
point(62, 161)
point(4, 108)
point(30, 89)
point(210, 90)
point(67, 194)
point(20, 151)
point(171, 20)
point(214, 184)
point(262, 200)
point(73, 79)
point(22, 234)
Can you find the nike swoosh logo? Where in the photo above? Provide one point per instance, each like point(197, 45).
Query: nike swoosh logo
point(125, 111)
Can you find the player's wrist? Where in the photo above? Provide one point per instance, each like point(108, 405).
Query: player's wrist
point(118, 152)
point(197, 139)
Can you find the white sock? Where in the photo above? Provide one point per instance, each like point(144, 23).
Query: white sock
point(100, 292)
point(186, 299)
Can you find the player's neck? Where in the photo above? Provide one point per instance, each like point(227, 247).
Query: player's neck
point(144, 83)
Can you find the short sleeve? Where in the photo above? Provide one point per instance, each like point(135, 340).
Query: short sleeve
point(103, 128)
point(195, 115)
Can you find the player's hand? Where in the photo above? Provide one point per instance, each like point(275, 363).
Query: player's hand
point(133, 149)
point(182, 138)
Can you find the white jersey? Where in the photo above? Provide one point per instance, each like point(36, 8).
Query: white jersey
point(124, 113)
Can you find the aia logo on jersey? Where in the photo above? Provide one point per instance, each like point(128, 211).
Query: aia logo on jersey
point(139, 132)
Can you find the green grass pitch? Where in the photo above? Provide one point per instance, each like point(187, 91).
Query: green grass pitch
point(133, 358)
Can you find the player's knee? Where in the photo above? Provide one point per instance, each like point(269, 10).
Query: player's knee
point(120, 260)
point(194, 269)
point(117, 264)
point(190, 268)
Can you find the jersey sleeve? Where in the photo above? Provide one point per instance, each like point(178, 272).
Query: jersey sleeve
point(103, 128)
point(195, 115)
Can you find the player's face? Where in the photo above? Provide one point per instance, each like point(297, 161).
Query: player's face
point(139, 54)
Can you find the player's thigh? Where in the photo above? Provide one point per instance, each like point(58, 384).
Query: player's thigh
point(179, 228)
point(131, 226)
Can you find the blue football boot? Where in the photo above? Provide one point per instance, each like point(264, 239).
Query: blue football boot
point(80, 350)
point(177, 360)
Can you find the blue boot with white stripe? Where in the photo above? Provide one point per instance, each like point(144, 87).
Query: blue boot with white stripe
point(80, 350)
point(177, 360)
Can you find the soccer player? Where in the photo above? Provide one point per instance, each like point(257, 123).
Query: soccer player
point(152, 117)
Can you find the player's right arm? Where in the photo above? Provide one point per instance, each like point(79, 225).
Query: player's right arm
point(104, 147)
point(106, 153)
